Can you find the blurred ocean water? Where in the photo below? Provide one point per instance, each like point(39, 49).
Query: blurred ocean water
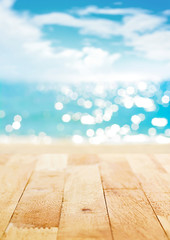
point(86, 112)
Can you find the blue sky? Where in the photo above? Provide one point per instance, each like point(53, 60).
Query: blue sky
point(42, 6)
point(84, 40)
point(69, 37)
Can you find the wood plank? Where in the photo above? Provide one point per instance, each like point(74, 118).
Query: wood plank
point(156, 185)
point(161, 206)
point(14, 233)
point(141, 162)
point(84, 214)
point(151, 177)
point(40, 205)
point(52, 162)
point(4, 159)
point(164, 160)
point(82, 159)
point(116, 172)
point(131, 216)
point(13, 179)
point(16, 158)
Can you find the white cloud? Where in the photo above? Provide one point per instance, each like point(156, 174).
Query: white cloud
point(135, 22)
point(98, 27)
point(143, 31)
point(6, 3)
point(141, 23)
point(109, 11)
point(134, 19)
point(148, 35)
point(25, 55)
point(166, 12)
point(155, 45)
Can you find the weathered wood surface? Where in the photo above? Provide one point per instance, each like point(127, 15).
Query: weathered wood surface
point(132, 217)
point(14, 176)
point(116, 172)
point(164, 160)
point(84, 214)
point(85, 196)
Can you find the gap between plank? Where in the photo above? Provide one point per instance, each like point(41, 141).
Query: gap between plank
point(158, 165)
point(62, 202)
point(19, 200)
point(120, 189)
point(153, 209)
point(106, 203)
point(140, 184)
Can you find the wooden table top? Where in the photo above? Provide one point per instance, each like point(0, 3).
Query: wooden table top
point(74, 197)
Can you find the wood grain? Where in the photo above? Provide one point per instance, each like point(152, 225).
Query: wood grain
point(14, 233)
point(13, 179)
point(84, 214)
point(40, 205)
point(82, 159)
point(164, 160)
point(132, 202)
point(4, 159)
point(116, 172)
point(155, 182)
point(161, 206)
point(132, 218)
point(151, 177)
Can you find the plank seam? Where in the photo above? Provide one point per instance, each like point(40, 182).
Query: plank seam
point(157, 164)
point(107, 210)
point(19, 200)
point(61, 203)
point(145, 194)
point(153, 209)
point(107, 189)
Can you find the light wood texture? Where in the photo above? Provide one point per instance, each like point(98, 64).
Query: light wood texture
point(82, 159)
point(14, 233)
point(132, 217)
point(4, 159)
point(151, 177)
point(24, 146)
point(116, 172)
point(161, 206)
point(164, 160)
point(84, 196)
point(155, 182)
point(52, 162)
point(40, 206)
point(13, 179)
point(84, 214)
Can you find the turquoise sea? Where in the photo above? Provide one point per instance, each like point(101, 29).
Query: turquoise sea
point(97, 113)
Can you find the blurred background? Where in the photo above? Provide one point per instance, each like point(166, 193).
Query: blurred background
point(85, 71)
